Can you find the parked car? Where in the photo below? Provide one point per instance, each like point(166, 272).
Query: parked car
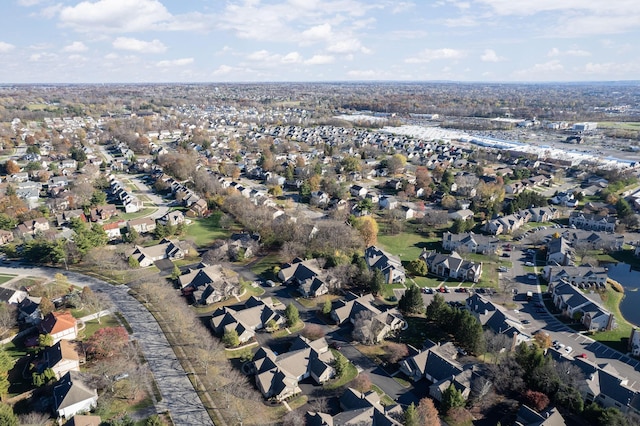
point(582, 355)
point(529, 264)
point(335, 345)
point(503, 269)
point(568, 349)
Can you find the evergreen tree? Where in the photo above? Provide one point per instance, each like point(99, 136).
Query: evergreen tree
point(230, 338)
point(411, 416)
point(451, 398)
point(326, 307)
point(411, 301)
point(377, 282)
point(292, 314)
point(7, 416)
point(436, 308)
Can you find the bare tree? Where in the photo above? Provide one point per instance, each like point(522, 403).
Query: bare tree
point(481, 392)
point(293, 418)
point(8, 317)
point(363, 327)
point(34, 418)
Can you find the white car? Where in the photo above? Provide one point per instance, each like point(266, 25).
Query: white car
point(528, 264)
point(568, 350)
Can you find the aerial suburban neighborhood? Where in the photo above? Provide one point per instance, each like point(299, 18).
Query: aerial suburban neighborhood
point(228, 254)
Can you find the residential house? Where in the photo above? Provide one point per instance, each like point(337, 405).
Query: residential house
point(505, 224)
point(437, 364)
point(32, 227)
point(199, 208)
point(498, 319)
point(5, 237)
point(529, 417)
point(62, 357)
point(143, 225)
point(72, 394)
point(103, 212)
point(306, 275)
point(12, 296)
point(320, 198)
point(387, 202)
point(84, 420)
point(576, 304)
point(462, 214)
point(60, 325)
point(245, 319)
point(634, 342)
point(358, 191)
point(452, 266)
point(64, 218)
point(165, 249)
point(29, 311)
point(209, 284)
point(593, 222)
point(559, 252)
point(390, 265)
point(277, 376)
point(113, 230)
point(383, 322)
point(470, 243)
point(358, 409)
point(172, 218)
point(580, 276)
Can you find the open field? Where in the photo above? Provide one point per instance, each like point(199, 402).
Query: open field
point(627, 125)
point(206, 230)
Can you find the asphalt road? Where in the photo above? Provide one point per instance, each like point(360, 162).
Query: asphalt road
point(178, 395)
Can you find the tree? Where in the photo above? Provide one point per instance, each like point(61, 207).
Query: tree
point(427, 413)
point(340, 364)
point(362, 383)
point(377, 282)
point(448, 202)
point(623, 208)
point(107, 342)
point(7, 416)
point(11, 167)
point(292, 314)
point(411, 301)
point(45, 340)
point(368, 228)
point(133, 262)
point(363, 331)
point(46, 306)
point(537, 400)
point(396, 163)
point(154, 420)
point(396, 351)
point(436, 308)
point(98, 198)
point(6, 364)
point(230, 338)
point(411, 417)
point(44, 378)
point(419, 267)
point(8, 317)
point(542, 339)
point(326, 307)
point(451, 398)
point(272, 325)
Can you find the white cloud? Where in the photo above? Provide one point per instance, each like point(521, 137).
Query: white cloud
point(318, 32)
point(608, 69)
point(175, 62)
point(463, 21)
point(320, 60)
point(347, 46)
point(490, 55)
point(291, 58)
point(555, 52)
point(111, 56)
point(429, 55)
point(75, 47)
point(223, 70)
point(364, 74)
point(115, 15)
point(29, 3)
point(135, 45)
point(407, 34)
point(402, 6)
point(542, 71)
point(44, 56)
point(6, 47)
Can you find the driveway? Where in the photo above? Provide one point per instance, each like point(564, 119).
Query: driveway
point(178, 395)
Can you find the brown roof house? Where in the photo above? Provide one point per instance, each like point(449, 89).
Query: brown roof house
point(62, 357)
point(306, 275)
point(166, 249)
point(60, 325)
point(277, 376)
point(390, 265)
point(359, 409)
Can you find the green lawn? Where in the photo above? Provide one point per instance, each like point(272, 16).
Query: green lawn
point(206, 230)
point(263, 267)
point(6, 277)
point(407, 246)
point(348, 376)
point(128, 216)
point(619, 125)
point(420, 329)
point(92, 326)
point(428, 281)
point(614, 338)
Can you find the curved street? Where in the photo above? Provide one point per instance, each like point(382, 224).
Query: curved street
point(178, 395)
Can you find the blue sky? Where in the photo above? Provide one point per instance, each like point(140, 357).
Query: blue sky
point(103, 41)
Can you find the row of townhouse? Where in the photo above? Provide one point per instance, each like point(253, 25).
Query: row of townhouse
point(452, 266)
point(130, 202)
point(593, 222)
point(513, 222)
point(520, 186)
point(586, 307)
point(470, 243)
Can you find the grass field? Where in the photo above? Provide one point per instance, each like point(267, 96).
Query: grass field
point(206, 230)
point(6, 277)
point(407, 246)
point(631, 125)
point(615, 338)
point(92, 326)
point(128, 216)
point(263, 267)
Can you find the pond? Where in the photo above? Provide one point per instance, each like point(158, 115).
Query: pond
point(630, 280)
